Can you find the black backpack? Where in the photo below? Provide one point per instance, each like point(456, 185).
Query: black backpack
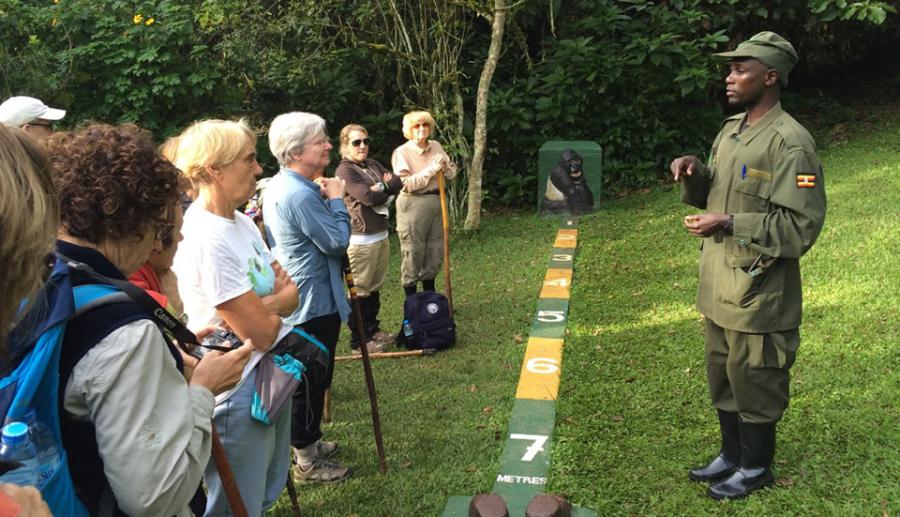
point(429, 323)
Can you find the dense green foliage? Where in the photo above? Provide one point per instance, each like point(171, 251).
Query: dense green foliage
point(636, 76)
point(633, 411)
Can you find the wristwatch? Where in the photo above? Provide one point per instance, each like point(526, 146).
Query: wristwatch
point(729, 225)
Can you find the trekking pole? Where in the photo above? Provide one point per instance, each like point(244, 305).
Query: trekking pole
point(370, 382)
point(292, 493)
point(445, 219)
point(226, 476)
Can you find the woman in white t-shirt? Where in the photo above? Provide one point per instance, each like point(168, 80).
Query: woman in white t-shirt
point(228, 277)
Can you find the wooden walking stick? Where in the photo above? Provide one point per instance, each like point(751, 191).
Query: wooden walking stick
point(226, 476)
point(370, 382)
point(445, 219)
point(388, 355)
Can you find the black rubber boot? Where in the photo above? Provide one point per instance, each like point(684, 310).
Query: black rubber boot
point(370, 314)
point(729, 457)
point(409, 290)
point(428, 285)
point(351, 323)
point(757, 452)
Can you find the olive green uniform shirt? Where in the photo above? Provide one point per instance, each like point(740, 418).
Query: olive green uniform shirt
point(769, 178)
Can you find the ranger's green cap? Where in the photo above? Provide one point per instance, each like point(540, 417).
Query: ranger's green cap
point(770, 48)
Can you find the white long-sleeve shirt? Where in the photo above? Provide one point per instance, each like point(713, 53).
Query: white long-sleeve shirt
point(153, 429)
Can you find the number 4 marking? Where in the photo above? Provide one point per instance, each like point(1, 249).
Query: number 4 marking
point(537, 444)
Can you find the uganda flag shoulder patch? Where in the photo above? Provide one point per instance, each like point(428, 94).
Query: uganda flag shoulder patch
point(806, 180)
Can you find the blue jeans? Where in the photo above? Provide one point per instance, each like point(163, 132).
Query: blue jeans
point(259, 454)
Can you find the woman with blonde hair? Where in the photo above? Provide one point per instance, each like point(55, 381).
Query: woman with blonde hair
point(228, 277)
point(370, 189)
point(29, 212)
point(418, 162)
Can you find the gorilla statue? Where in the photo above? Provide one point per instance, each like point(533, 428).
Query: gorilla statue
point(567, 191)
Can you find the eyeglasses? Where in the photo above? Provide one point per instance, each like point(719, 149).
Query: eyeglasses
point(357, 143)
point(41, 124)
point(421, 124)
point(165, 228)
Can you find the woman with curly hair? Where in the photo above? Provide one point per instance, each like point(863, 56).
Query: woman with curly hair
point(137, 433)
point(226, 275)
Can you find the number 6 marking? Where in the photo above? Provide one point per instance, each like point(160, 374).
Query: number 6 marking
point(560, 257)
point(537, 445)
point(542, 365)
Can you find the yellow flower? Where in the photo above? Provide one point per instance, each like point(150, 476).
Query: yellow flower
point(137, 18)
point(53, 22)
point(149, 21)
point(55, 1)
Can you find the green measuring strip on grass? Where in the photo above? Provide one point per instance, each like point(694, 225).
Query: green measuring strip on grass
point(525, 460)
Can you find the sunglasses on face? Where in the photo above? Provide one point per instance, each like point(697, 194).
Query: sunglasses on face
point(165, 228)
point(357, 143)
point(422, 125)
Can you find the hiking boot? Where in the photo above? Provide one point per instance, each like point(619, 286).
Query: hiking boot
point(383, 338)
point(322, 471)
point(371, 346)
point(326, 449)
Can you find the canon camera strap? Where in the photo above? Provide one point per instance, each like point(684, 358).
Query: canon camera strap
point(172, 325)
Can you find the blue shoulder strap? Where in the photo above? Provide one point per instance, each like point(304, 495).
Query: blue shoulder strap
point(34, 384)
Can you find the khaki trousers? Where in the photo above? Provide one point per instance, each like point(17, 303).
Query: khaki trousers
point(369, 263)
point(748, 374)
point(421, 237)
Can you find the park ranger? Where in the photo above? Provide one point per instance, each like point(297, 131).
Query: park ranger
point(763, 196)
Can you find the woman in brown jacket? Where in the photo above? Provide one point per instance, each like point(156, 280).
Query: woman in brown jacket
point(370, 189)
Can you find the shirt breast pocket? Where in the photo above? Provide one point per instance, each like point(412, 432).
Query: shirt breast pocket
point(754, 192)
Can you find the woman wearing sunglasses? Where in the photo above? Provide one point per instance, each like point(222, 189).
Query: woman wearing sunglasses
point(136, 433)
point(370, 189)
point(418, 162)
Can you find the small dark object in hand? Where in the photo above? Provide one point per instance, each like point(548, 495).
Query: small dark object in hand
point(221, 340)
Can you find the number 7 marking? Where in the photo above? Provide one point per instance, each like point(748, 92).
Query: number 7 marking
point(537, 445)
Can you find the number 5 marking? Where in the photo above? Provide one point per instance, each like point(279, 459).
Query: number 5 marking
point(550, 316)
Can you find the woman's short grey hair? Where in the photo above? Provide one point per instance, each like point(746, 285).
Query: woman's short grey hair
point(290, 132)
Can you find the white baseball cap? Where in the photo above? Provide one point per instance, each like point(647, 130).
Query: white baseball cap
point(18, 111)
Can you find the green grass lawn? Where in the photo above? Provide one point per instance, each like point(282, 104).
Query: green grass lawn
point(633, 410)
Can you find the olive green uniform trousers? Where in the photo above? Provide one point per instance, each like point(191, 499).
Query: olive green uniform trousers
point(768, 177)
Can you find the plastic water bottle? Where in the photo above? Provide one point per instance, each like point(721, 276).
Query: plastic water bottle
point(16, 446)
point(407, 329)
point(46, 450)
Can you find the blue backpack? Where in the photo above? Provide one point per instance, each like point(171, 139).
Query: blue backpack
point(430, 324)
point(32, 386)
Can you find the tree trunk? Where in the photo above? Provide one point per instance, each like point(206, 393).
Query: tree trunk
point(473, 217)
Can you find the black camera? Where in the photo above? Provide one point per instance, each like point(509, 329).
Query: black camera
point(221, 340)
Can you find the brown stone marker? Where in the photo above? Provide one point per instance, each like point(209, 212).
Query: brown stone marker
point(488, 505)
point(548, 505)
